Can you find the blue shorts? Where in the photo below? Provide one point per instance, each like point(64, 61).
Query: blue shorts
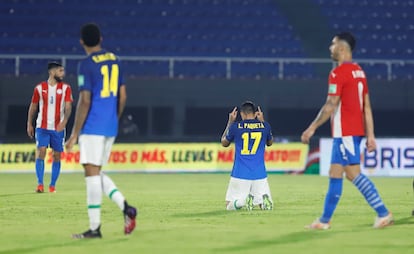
point(50, 138)
point(345, 150)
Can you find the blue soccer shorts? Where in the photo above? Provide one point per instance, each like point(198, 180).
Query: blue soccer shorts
point(50, 138)
point(346, 150)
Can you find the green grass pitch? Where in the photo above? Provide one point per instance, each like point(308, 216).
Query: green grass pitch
point(184, 213)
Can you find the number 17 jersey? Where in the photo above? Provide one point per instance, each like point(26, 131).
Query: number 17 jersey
point(100, 74)
point(250, 138)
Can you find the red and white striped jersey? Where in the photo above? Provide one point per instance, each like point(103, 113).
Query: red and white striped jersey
point(349, 82)
point(51, 100)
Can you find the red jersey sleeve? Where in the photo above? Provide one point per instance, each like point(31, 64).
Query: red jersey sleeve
point(68, 95)
point(335, 83)
point(35, 96)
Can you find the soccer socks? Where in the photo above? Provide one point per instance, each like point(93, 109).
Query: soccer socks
point(331, 199)
point(40, 170)
point(55, 173)
point(112, 192)
point(370, 193)
point(94, 200)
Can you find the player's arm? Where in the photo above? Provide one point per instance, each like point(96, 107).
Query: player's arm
point(224, 141)
point(121, 100)
point(232, 118)
point(369, 124)
point(82, 109)
point(324, 114)
point(66, 114)
point(30, 114)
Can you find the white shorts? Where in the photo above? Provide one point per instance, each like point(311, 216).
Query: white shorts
point(239, 189)
point(95, 149)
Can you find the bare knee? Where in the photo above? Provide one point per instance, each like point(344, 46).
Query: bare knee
point(56, 156)
point(352, 171)
point(336, 171)
point(92, 170)
point(41, 153)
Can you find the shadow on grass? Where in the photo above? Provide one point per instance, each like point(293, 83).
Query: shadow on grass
point(294, 237)
point(70, 243)
point(203, 214)
point(404, 221)
point(20, 194)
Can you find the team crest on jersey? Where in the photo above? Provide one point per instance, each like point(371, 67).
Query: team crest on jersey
point(332, 88)
point(59, 91)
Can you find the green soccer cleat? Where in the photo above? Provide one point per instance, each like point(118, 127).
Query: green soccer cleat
point(249, 202)
point(267, 203)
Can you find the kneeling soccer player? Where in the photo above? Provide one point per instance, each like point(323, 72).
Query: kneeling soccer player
point(248, 184)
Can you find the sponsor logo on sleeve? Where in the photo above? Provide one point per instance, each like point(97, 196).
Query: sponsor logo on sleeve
point(332, 88)
point(81, 80)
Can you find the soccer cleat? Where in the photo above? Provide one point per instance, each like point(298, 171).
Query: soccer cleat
point(130, 213)
point(40, 188)
point(267, 203)
point(89, 234)
point(318, 225)
point(52, 189)
point(249, 202)
point(382, 222)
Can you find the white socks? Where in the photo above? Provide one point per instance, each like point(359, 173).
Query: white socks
point(94, 187)
point(94, 200)
point(112, 192)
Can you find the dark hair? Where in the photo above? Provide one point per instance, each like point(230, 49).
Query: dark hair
point(52, 65)
point(90, 34)
point(348, 37)
point(248, 107)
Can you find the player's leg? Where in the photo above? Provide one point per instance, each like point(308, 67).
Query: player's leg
point(42, 142)
point(334, 192)
point(237, 193)
point(261, 193)
point(114, 194)
point(56, 143)
point(91, 152)
point(363, 183)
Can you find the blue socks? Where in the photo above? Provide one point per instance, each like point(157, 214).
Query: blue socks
point(55, 172)
point(40, 170)
point(370, 193)
point(332, 198)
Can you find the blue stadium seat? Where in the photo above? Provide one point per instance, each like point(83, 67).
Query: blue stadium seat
point(225, 28)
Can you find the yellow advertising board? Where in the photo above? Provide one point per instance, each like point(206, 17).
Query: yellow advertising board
point(174, 157)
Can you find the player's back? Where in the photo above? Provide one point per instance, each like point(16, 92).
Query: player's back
point(250, 138)
point(352, 88)
point(100, 73)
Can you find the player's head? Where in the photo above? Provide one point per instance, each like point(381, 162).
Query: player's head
point(56, 71)
point(342, 46)
point(90, 35)
point(247, 110)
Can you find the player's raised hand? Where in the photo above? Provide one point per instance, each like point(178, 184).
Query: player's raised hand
point(71, 142)
point(259, 114)
point(233, 115)
point(30, 131)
